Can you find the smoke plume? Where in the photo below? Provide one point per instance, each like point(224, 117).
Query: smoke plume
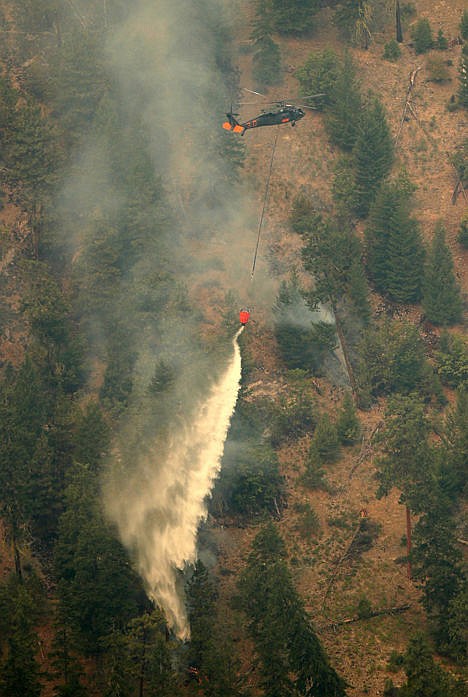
point(159, 511)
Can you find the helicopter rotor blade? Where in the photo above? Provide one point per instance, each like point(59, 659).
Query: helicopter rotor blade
point(313, 96)
point(253, 92)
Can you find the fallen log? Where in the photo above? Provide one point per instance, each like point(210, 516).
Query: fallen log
point(396, 610)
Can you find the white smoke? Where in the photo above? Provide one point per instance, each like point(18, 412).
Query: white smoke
point(158, 512)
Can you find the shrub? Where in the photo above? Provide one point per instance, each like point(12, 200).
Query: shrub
point(441, 42)
point(325, 446)
point(392, 51)
point(309, 524)
point(364, 608)
point(437, 69)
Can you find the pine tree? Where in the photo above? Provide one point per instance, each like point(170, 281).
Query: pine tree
point(325, 446)
point(302, 340)
point(347, 424)
point(422, 36)
point(294, 17)
point(438, 565)
point(372, 155)
point(19, 671)
point(441, 301)
point(358, 291)
point(462, 236)
point(201, 601)
point(395, 252)
point(318, 76)
point(425, 678)
point(266, 62)
point(344, 113)
point(292, 657)
point(464, 25)
point(407, 458)
point(392, 359)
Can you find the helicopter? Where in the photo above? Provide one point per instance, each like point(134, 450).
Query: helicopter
point(283, 113)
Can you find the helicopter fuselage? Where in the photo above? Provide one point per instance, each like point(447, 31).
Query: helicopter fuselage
point(285, 114)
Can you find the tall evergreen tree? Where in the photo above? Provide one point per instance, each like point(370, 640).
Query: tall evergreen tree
point(201, 600)
point(372, 154)
point(344, 113)
point(441, 300)
point(293, 660)
point(392, 359)
point(407, 460)
point(358, 291)
point(19, 670)
point(294, 17)
point(303, 339)
point(347, 424)
point(464, 25)
point(325, 445)
point(437, 563)
point(422, 36)
point(318, 76)
point(395, 252)
point(266, 61)
point(425, 678)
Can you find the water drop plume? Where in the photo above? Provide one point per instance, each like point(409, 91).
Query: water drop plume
point(158, 507)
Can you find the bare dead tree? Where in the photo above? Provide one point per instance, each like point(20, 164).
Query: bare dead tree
point(408, 107)
point(399, 32)
point(459, 188)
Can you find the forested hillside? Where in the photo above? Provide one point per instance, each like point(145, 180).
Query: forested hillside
point(332, 560)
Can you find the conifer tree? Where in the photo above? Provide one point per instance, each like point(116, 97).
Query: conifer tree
point(201, 600)
point(358, 291)
point(437, 563)
point(425, 678)
point(294, 17)
point(19, 671)
point(347, 424)
point(318, 76)
point(394, 248)
point(266, 62)
point(462, 236)
point(441, 300)
point(372, 155)
point(407, 458)
point(344, 113)
point(325, 446)
point(293, 660)
point(422, 36)
point(303, 341)
point(464, 25)
point(456, 443)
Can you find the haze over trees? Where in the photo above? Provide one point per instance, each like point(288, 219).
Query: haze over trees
point(97, 284)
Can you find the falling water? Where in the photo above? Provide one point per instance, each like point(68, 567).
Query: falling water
point(158, 513)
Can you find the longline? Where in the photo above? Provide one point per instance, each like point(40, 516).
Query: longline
point(265, 200)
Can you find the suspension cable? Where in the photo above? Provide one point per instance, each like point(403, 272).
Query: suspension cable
point(265, 201)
